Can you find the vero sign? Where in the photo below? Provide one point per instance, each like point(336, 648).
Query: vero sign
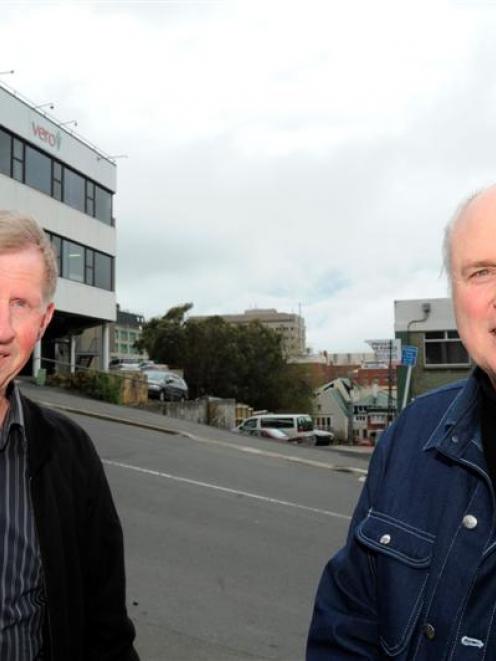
point(47, 137)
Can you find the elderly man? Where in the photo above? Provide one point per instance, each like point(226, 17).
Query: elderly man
point(62, 592)
point(417, 577)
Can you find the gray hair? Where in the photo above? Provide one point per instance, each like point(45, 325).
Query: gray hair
point(449, 229)
point(18, 231)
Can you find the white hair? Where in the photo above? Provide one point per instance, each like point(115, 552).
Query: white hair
point(450, 228)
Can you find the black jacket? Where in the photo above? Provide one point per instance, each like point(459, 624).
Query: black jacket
point(81, 543)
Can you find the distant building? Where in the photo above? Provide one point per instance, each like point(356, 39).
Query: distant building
point(429, 324)
point(360, 359)
point(123, 334)
point(290, 326)
point(342, 400)
point(126, 332)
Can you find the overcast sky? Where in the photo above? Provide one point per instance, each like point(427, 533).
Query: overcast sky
point(280, 154)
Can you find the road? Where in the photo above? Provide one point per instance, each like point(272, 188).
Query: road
point(224, 547)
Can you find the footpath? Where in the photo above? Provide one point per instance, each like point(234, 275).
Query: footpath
point(344, 458)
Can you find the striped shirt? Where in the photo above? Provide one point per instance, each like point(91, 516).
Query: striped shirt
point(22, 597)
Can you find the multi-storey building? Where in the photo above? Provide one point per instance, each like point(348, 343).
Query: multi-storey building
point(290, 326)
point(67, 184)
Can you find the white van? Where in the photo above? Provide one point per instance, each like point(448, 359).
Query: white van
point(297, 426)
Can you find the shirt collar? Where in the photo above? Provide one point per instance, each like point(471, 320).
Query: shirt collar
point(460, 425)
point(14, 418)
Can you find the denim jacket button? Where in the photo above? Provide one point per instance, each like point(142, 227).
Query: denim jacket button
point(429, 631)
point(469, 521)
point(454, 438)
point(385, 539)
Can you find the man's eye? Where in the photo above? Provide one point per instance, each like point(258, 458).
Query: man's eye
point(481, 273)
point(19, 304)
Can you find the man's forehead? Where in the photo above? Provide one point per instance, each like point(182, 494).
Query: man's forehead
point(479, 214)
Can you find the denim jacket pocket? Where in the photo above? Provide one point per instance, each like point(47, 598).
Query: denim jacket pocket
point(400, 557)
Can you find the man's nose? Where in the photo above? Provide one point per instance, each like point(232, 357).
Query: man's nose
point(7, 332)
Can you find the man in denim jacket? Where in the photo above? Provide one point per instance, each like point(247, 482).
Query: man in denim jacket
point(416, 579)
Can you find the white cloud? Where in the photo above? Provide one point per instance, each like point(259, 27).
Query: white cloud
point(280, 153)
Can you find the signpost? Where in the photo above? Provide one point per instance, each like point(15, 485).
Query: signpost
point(409, 359)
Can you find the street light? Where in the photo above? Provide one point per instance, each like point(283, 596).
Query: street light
point(45, 105)
point(6, 73)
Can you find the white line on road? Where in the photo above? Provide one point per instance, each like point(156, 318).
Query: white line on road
point(217, 487)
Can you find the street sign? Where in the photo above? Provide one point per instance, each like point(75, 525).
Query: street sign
point(386, 351)
point(409, 356)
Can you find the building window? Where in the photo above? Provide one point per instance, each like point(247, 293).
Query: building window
point(5, 152)
point(73, 261)
point(103, 205)
point(90, 198)
point(82, 264)
point(444, 349)
point(38, 170)
point(18, 160)
point(57, 246)
point(74, 193)
point(32, 166)
point(103, 271)
point(89, 277)
point(57, 180)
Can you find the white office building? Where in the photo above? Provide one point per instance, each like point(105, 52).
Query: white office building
point(67, 184)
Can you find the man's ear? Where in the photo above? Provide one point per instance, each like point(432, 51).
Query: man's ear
point(45, 320)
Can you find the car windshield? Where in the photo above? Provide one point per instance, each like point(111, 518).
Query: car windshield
point(156, 375)
point(305, 423)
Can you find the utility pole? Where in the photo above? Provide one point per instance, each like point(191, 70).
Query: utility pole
point(351, 412)
point(390, 381)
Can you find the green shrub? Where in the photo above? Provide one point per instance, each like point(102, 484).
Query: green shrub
point(99, 385)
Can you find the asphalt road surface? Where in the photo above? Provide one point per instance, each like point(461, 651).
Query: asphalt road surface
point(224, 548)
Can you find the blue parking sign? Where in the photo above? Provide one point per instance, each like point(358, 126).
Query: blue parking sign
point(409, 356)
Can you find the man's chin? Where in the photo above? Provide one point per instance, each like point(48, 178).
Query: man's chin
point(7, 375)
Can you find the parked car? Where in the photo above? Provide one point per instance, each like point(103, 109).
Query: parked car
point(296, 426)
point(323, 437)
point(166, 386)
point(122, 364)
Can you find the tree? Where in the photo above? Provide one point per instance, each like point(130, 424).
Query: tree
point(243, 362)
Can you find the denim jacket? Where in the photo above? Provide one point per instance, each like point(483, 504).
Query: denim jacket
point(416, 579)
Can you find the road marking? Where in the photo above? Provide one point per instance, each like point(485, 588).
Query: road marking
point(217, 487)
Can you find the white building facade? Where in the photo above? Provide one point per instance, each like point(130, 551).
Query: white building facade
point(67, 185)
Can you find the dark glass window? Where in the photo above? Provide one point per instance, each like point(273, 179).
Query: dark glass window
point(90, 198)
point(73, 261)
point(103, 271)
point(74, 193)
point(38, 170)
point(18, 160)
point(33, 167)
point(444, 348)
point(57, 181)
point(5, 152)
point(103, 205)
point(57, 245)
point(90, 267)
point(18, 149)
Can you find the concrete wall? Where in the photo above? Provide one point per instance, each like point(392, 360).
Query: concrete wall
point(217, 413)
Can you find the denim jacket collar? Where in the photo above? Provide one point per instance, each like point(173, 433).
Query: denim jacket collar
point(460, 425)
